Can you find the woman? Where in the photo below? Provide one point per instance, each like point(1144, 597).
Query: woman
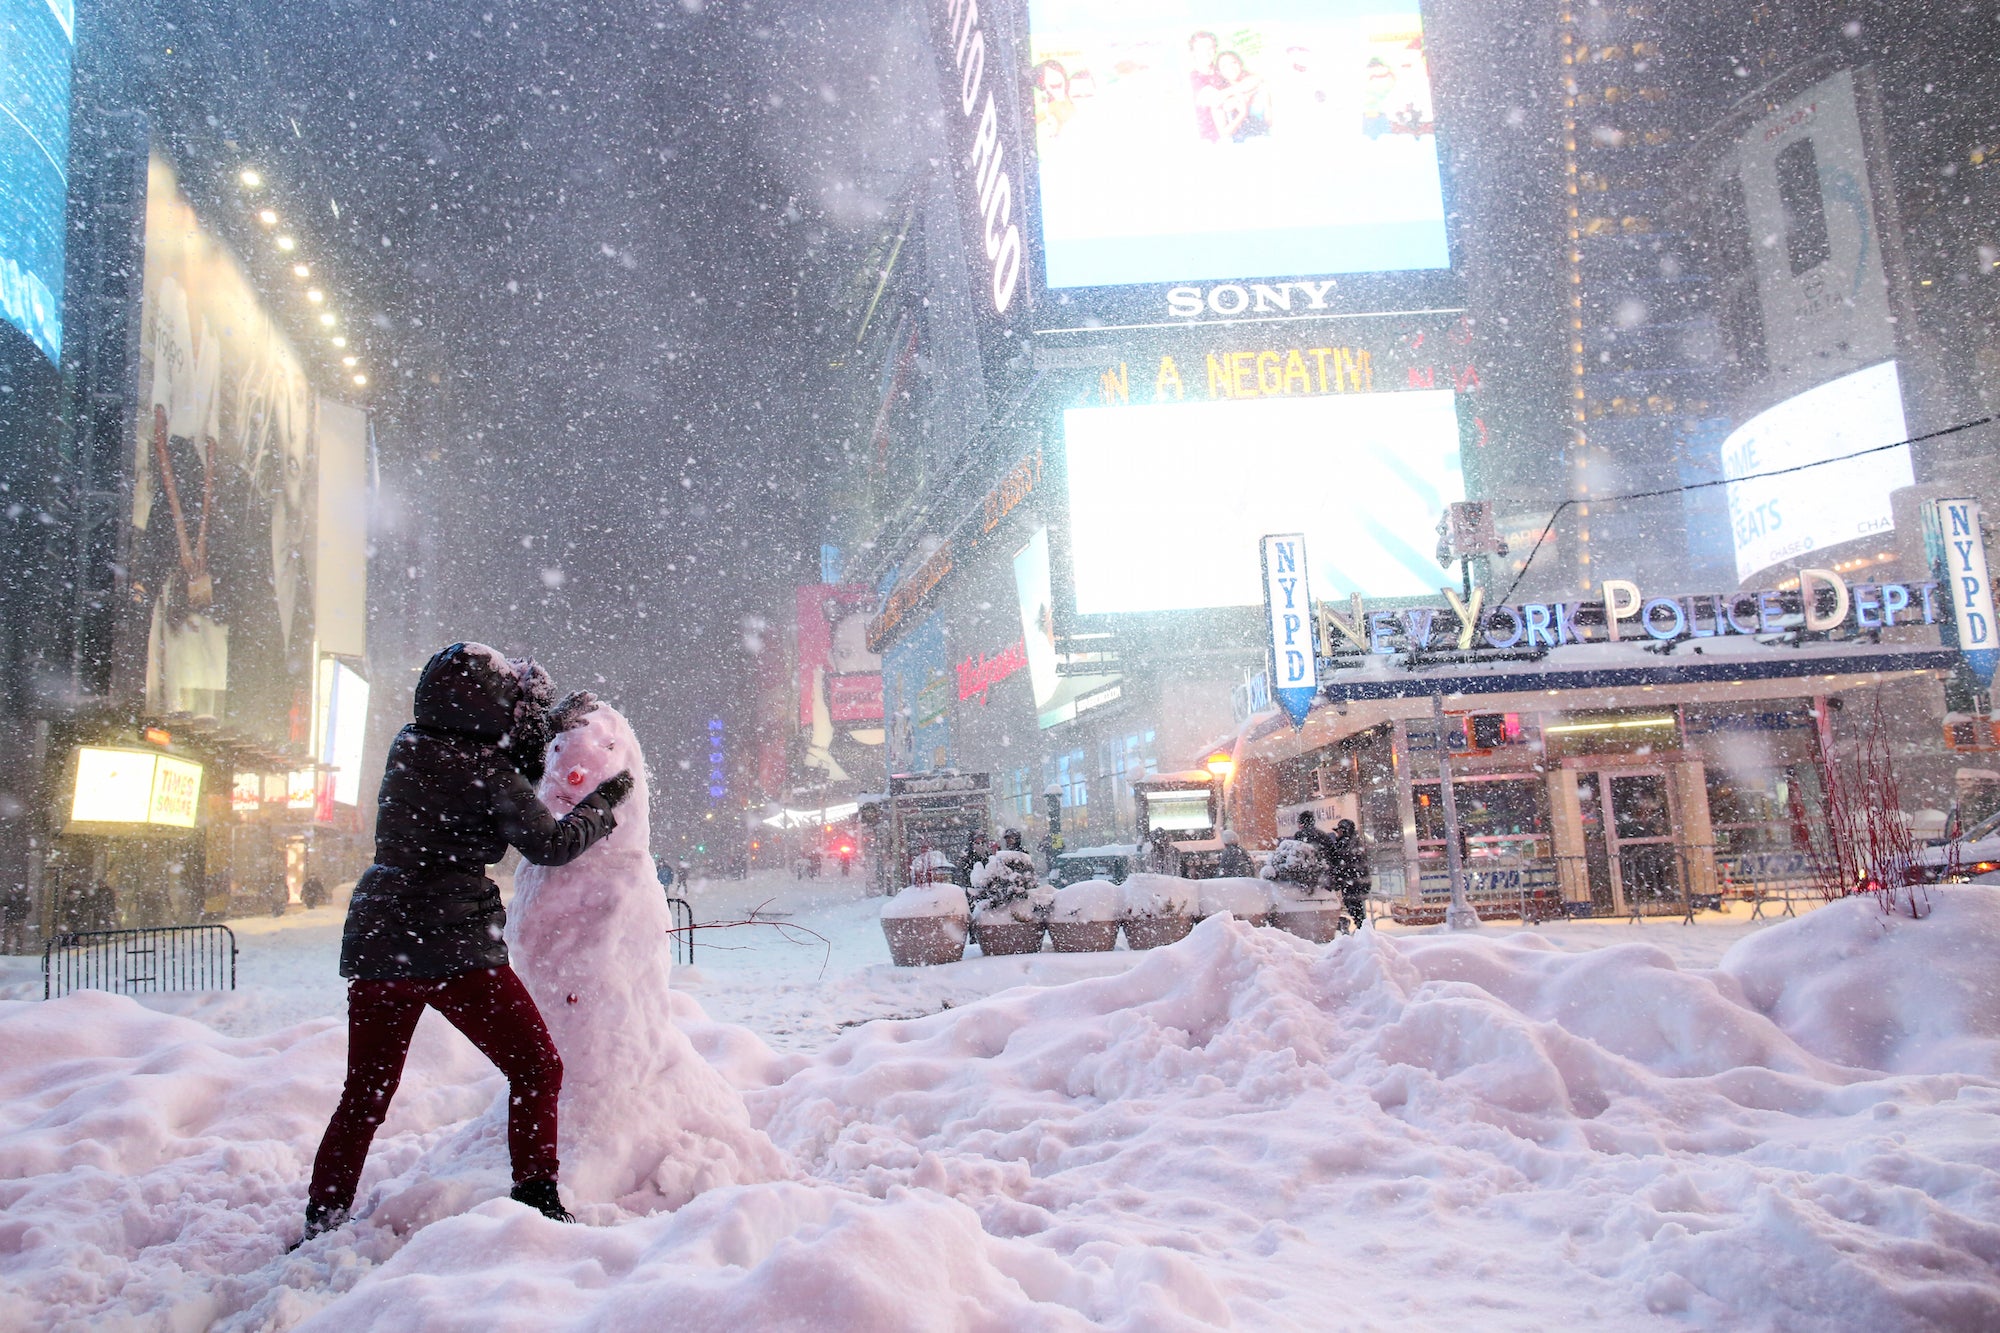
point(1242, 101)
point(424, 927)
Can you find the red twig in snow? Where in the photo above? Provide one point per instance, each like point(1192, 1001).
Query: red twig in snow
point(1862, 840)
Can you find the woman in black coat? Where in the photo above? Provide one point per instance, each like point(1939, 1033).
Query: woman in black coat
point(424, 927)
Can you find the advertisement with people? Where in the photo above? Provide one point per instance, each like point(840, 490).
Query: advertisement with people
point(839, 680)
point(223, 501)
point(1214, 139)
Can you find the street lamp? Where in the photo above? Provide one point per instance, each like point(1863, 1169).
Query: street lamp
point(1221, 764)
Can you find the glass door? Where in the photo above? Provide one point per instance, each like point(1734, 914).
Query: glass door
point(1640, 844)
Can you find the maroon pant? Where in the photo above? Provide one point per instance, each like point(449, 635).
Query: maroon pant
point(496, 1014)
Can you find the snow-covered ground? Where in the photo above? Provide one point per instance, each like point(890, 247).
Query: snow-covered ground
point(1785, 1124)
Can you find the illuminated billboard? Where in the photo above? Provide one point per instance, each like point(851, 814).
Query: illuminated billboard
point(225, 470)
point(1783, 518)
point(344, 728)
point(1056, 695)
point(1194, 140)
point(134, 787)
point(1168, 501)
point(34, 164)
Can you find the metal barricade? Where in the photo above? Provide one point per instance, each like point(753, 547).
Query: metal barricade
point(682, 930)
point(138, 962)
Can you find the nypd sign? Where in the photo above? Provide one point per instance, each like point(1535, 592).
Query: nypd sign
point(1288, 616)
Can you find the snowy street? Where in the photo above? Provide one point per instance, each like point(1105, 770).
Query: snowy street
point(1783, 1124)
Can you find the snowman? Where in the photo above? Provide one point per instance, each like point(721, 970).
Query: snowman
point(645, 1122)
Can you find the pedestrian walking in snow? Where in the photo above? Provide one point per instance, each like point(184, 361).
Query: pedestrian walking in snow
point(1350, 871)
point(425, 923)
point(1157, 855)
point(1235, 863)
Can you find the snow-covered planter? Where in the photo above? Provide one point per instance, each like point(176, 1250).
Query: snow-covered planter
point(1083, 918)
point(925, 925)
point(1295, 864)
point(1244, 898)
point(1159, 909)
point(1306, 912)
point(1009, 904)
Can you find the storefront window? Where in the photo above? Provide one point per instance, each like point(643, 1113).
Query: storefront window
point(1071, 773)
point(1500, 817)
point(1121, 762)
point(1750, 812)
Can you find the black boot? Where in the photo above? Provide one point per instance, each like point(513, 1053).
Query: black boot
point(320, 1219)
point(541, 1196)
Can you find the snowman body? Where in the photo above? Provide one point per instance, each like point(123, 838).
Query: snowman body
point(644, 1121)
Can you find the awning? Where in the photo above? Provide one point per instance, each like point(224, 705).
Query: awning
point(817, 817)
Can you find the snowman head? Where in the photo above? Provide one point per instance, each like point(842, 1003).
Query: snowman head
point(595, 743)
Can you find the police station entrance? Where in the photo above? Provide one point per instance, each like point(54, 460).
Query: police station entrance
point(1631, 856)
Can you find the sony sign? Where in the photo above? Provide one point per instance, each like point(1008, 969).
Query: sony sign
point(991, 174)
point(1228, 300)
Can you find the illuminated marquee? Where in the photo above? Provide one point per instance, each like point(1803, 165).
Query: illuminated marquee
point(1825, 602)
point(985, 159)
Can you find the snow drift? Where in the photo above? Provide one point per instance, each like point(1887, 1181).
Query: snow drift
point(1242, 1128)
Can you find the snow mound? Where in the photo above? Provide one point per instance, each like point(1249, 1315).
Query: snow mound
point(1244, 898)
point(1087, 900)
point(645, 1122)
point(923, 900)
point(152, 1170)
point(1449, 1131)
point(1158, 895)
point(1858, 986)
point(1666, 1149)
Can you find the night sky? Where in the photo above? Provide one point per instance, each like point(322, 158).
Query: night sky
point(603, 246)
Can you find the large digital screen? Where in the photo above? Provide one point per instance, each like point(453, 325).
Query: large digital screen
point(1781, 518)
point(1183, 140)
point(1168, 501)
point(34, 164)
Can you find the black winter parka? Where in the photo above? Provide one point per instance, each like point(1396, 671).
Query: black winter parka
point(452, 802)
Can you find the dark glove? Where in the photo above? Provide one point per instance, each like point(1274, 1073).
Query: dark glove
point(614, 790)
point(576, 706)
point(527, 742)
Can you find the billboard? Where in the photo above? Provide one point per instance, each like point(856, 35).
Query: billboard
point(224, 478)
point(916, 698)
point(839, 679)
point(1804, 287)
point(1055, 695)
point(1193, 140)
point(34, 164)
point(134, 787)
point(1783, 518)
point(343, 730)
point(1168, 501)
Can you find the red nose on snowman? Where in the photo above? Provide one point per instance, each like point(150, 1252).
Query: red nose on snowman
point(575, 777)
